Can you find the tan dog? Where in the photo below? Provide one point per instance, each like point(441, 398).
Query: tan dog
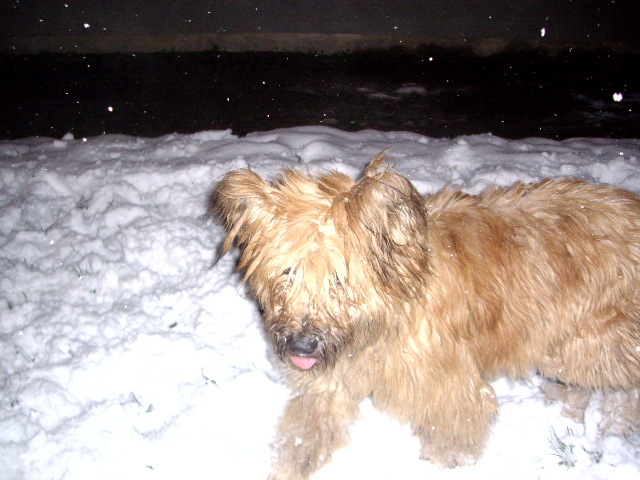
point(370, 288)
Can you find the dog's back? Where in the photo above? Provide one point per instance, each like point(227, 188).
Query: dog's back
point(544, 275)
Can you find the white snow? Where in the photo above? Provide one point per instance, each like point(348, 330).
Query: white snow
point(125, 355)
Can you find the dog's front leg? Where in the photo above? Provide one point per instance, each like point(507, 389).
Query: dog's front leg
point(459, 422)
point(312, 427)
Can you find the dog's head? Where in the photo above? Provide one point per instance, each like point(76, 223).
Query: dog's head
point(326, 257)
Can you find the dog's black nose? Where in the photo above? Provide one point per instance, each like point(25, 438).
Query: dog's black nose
point(302, 343)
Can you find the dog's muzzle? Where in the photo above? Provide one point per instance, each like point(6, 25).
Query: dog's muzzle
point(301, 347)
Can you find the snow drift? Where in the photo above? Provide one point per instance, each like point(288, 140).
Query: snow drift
point(125, 353)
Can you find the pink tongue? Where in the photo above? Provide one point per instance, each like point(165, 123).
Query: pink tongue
point(303, 362)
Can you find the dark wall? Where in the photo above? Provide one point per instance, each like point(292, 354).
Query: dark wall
point(562, 20)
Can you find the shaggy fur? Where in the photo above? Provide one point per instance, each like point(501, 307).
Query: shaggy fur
point(369, 288)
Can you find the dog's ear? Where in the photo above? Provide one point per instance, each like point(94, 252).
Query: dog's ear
point(242, 200)
point(388, 218)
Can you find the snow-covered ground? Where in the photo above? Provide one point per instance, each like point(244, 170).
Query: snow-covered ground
point(126, 355)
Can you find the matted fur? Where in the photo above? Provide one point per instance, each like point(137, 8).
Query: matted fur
point(421, 302)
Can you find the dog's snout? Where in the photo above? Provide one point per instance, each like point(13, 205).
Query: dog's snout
point(302, 344)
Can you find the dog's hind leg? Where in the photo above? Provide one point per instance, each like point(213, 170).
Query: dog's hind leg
point(312, 427)
point(606, 356)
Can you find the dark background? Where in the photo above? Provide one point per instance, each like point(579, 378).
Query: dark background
point(563, 20)
point(442, 68)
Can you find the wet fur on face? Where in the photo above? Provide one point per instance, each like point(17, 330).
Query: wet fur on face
point(369, 288)
point(307, 241)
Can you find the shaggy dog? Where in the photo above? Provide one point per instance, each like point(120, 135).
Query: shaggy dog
point(370, 289)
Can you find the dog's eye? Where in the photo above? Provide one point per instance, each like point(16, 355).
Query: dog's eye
point(337, 280)
point(286, 271)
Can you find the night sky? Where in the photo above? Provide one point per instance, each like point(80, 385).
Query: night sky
point(563, 20)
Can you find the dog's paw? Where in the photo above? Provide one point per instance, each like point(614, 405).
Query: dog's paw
point(285, 473)
point(449, 458)
point(286, 476)
point(296, 461)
